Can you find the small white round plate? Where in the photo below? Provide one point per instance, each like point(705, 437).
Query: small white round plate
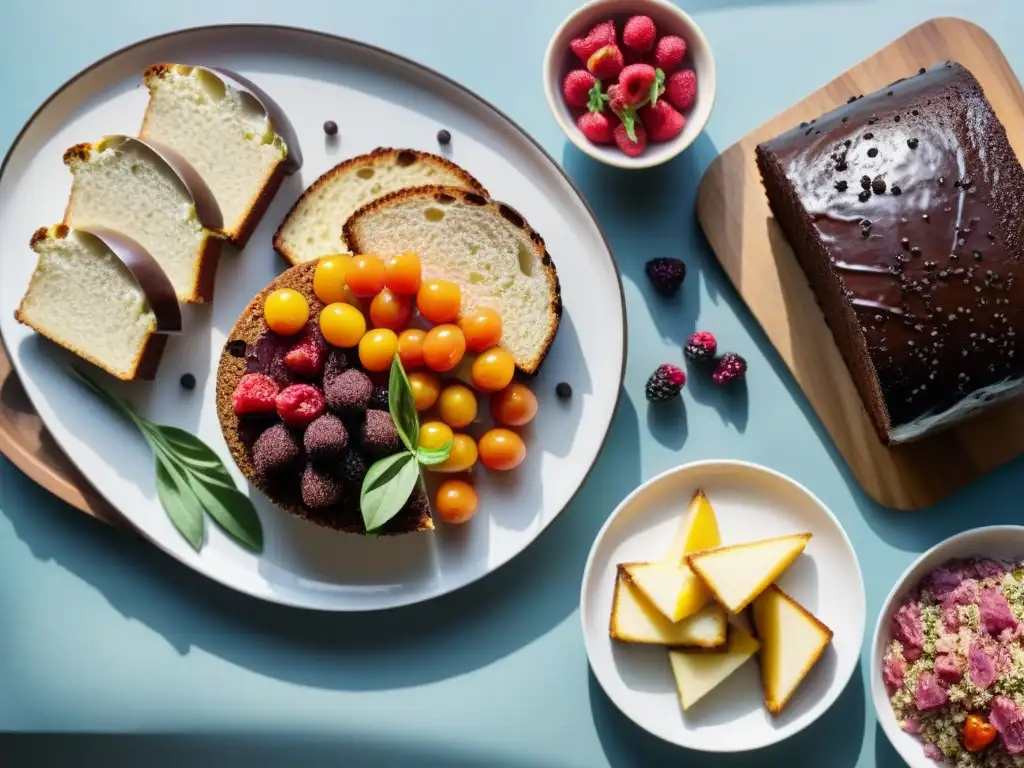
point(751, 503)
point(998, 542)
point(377, 99)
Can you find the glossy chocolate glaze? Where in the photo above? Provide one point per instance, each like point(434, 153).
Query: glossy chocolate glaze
point(918, 199)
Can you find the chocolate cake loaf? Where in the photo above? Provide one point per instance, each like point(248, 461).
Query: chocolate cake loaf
point(905, 209)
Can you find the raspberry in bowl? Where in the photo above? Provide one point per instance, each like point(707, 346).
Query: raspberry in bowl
point(630, 82)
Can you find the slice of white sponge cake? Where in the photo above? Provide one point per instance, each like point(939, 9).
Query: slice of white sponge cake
point(224, 133)
point(483, 245)
point(124, 185)
point(84, 298)
point(313, 226)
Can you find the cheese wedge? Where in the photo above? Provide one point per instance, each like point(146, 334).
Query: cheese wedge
point(737, 574)
point(635, 620)
point(792, 641)
point(697, 673)
point(669, 584)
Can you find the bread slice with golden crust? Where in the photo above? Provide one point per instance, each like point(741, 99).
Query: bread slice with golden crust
point(312, 227)
point(485, 246)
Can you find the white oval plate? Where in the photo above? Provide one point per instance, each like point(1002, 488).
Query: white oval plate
point(377, 99)
point(750, 502)
point(995, 541)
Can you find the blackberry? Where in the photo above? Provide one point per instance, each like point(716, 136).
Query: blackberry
point(666, 274)
point(326, 438)
point(320, 489)
point(379, 398)
point(380, 437)
point(731, 367)
point(701, 347)
point(274, 451)
point(665, 383)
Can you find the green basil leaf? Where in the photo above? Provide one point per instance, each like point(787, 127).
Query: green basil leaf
point(180, 503)
point(386, 488)
point(231, 509)
point(428, 457)
point(402, 405)
point(194, 453)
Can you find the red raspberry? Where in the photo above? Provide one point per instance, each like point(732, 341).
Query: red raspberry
point(626, 144)
point(596, 127)
point(661, 121)
point(254, 394)
point(307, 356)
point(669, 52)
point(576, 87)
point(606, 62)
point(681, 89)
point(299, 405)
point(635, 82)
point(731, 367)
point(616, 99)
point(599, 36)
point(639, 33)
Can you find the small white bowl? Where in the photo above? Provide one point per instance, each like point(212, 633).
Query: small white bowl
point(997, 542)
point(669, 19)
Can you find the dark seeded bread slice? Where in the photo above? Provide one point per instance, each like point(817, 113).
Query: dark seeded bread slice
point(249, 328)
point(485, 246)
point(312, 227)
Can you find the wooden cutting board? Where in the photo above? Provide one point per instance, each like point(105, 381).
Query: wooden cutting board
point(734, 214)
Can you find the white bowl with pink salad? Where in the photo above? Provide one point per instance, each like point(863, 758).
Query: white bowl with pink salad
point(947, 671)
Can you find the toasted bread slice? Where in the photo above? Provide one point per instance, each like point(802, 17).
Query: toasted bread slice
point(635, 620)
point(224, 134)
point(484, 246)
point(737, 574)
point(313, 226)
point(792, 641)
point(698, 672)
point(84, 298)
point(122, 184)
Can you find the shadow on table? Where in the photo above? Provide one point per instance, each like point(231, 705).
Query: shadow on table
point(835, 740)
point(246, 750)
point(477, 625)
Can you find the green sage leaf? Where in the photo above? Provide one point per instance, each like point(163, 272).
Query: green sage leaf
point(192, 452)
point(386, 488)
point(428, 457)
point(180, 503)
point(402, 405)
point(232, 510)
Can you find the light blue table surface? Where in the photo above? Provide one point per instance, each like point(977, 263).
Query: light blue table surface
point(102, 634)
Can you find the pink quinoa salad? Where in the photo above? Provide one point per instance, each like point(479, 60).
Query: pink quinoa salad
point(954, 668)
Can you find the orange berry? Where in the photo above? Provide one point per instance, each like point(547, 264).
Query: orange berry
point(365, 276)
point(433, 435)
point(456, 501)
point(502, 449)
point(463, 456)
point(329, 278)
point(377, 349)
point(402, 273)
point(390, 310)
point(425, 389)
point(493, 370)
point(514, 406)
point(342, 324)
point(457, 406)
point(410, 347)
point(482, 329)
point(439, 300)
point(443, 347)
point(286, 311)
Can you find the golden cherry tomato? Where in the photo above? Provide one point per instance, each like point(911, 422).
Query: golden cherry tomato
point(402, 273)
point(514, 406)
point(439, 300)
point(501, 449)
point(463, 456)
point(329, 278)
point(390, 310)
point(433, 435)
point(456, 501)
point(425, 389)
point(377, 349)
point(482, 329)
point(443, 347)
point(978, 733)
point(286, 311)
point(342, 324)
point(457, 406)
point(410, 347)
point(365, 276)
point(493, 370)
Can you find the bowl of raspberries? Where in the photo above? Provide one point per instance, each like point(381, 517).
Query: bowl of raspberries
point(630, 82)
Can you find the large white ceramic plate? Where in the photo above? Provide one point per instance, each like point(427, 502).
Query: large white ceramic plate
point(750, 502)
point(998, 542)
point(377, 99)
